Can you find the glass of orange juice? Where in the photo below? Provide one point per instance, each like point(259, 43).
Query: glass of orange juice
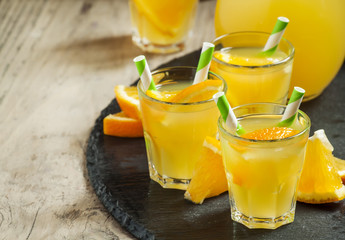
point(174, 132)
point(252, 77)
point(162, 26)
point(263, 174)
point(315, 29)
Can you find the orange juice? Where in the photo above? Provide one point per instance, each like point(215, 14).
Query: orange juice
point(263, 174)
point(250, 76)
point(174, 132)
point(161, 26)
point(315, 29)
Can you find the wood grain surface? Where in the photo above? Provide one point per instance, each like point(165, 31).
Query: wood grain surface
point(59, 62)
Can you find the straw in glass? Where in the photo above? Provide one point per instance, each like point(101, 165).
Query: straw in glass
point(204, 62)
point(275, 37)
point(292, 107)
point(144, 73)
point(227, 113)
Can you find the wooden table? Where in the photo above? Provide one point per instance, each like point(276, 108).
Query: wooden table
point(59, 62)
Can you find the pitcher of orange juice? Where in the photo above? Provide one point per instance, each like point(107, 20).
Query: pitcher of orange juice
point(316, 30)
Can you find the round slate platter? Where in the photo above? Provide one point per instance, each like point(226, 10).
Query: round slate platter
point(118, 172)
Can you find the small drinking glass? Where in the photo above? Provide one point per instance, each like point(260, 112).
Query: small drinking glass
point(263, 174)
point(162, 26)
point(174, 132)
point(252, 77)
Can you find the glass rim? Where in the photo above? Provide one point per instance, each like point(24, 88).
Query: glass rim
point(305, 116)
point(285, 60)
point(225, 87)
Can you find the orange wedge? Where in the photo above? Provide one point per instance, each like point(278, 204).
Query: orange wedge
point(128, 99)
point(209, 178)
point(320, 181)
point(120, 125)
point(340, 165)
point(198, 92)
point(270, 133)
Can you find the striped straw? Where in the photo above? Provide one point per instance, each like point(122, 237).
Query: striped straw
point(204, 62)
point(275, 37)
point(144, 73)
point(292, 107)
point(227, 113)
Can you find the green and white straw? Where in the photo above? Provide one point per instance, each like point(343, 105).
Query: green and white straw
point(204, 62)
point(292, 107)
point(227, 113)
point(275, 37)
point(144, 73)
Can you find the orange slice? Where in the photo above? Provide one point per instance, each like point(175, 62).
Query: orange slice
point(164, 96)
point(198, 92)
point(340, 165)
point(209, 178)
point(250, 60)
point(120, 125)
point(128, 99)
point(270, 133)
point(320, 181)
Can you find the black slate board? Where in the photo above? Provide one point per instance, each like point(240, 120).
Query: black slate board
point(118, 172)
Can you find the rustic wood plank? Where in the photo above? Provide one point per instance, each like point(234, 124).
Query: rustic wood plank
point(59, 62)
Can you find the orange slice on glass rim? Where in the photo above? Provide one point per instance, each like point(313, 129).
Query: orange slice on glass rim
point(164, 96)
point(270, 133)
point(195, 93)
point(198, 92)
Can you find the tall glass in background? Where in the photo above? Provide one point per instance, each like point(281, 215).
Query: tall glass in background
point(316, 30)
point(174, 132)
point(251, 77)
point(263, 174)
point(162, 26)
